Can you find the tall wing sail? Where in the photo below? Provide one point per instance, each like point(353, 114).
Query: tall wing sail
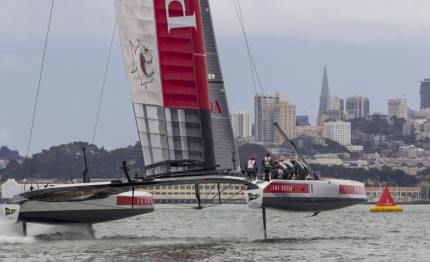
point(164, 55)
point(225, 149)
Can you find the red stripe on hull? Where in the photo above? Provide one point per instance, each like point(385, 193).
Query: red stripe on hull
point(351, 190)
point(275, 187)
point(182, 55)
point(137, 200)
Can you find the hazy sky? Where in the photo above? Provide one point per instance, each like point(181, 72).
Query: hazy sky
point(378, 49)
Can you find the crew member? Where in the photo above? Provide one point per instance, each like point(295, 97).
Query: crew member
point(251, 168)
point(294, 170)
point(301, 170)
point(279, 168)
point(267, 164)
point(289, 170)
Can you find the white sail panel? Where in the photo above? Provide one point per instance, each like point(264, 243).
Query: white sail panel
point(165, 61)
point(137, 28)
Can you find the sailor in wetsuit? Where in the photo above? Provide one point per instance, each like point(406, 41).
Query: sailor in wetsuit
point(279, 169)
point(267, 165)
point(251, 168)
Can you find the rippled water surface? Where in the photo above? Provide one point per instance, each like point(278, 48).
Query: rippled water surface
point(232, 233)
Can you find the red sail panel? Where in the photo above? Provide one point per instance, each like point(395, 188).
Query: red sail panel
point(182, 54)
point(386, 199)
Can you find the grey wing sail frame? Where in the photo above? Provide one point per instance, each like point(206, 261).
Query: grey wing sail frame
point(225, 148)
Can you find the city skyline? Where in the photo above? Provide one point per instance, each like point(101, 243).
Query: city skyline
point(358, 61)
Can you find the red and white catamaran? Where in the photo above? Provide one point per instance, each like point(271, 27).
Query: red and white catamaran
point(182, 117)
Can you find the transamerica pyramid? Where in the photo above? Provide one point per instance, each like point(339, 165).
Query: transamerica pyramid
point(325, 95)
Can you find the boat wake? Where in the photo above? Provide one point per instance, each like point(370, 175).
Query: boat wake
point(12, 233)
point(310, 239)
point(61, 232)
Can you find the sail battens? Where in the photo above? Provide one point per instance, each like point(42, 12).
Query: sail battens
point(163, 43)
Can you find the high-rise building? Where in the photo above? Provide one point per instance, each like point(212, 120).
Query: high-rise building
point(336, 103)
point(324, 97)
point(285, 116)
point(263, 113)
point(333, 114)
point(338, 131)
point(241, 124)
point(425, 93)
point(398, 107)
point(336, 110)
point(357, 106)
point(302, 121)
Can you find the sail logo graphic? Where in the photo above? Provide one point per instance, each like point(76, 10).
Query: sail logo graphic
point(253, 197)
point(9, 211)
point(142, 62)
point(182, 21)
point(216, 108)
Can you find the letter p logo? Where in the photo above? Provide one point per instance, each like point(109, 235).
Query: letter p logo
point(179, 21)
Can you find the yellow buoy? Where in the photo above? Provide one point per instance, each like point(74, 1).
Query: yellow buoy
point(386, 203)
point(385, 209)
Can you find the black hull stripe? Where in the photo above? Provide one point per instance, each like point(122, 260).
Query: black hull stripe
point(79, 216)
point(309, 204)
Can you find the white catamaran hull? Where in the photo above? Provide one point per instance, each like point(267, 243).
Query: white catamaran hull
point(87, 211)
point(306, 195)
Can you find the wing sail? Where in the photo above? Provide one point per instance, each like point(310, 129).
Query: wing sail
point(164, 55)
point(225, 148)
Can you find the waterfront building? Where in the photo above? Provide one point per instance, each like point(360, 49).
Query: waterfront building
point(420, 128)
point(187, 193)
point(355, 148)
point(337, 103)
point(309, 131)
point(336, 110)
point(400, 194)
point(312, 132)
point(302, 121)
point(425, 93)
point(263, 113)
point(357, 106)
point(285, 116)
point(333, 114)
point(338, 131)
point(241, 124)
point(398, 107)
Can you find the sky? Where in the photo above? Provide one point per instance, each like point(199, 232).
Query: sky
point(377, 49)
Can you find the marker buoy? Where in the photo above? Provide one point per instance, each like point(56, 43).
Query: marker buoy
point(386, 203)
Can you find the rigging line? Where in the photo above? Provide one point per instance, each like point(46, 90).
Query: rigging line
point(104, 83)
point(208, 192)
point(235, 194)
point(220, 192)
point(40, 80)
point(228, 199)
point(251, 59)
point(247, 50)
point(248, 47)
point(36, 101)
point(251, 56)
